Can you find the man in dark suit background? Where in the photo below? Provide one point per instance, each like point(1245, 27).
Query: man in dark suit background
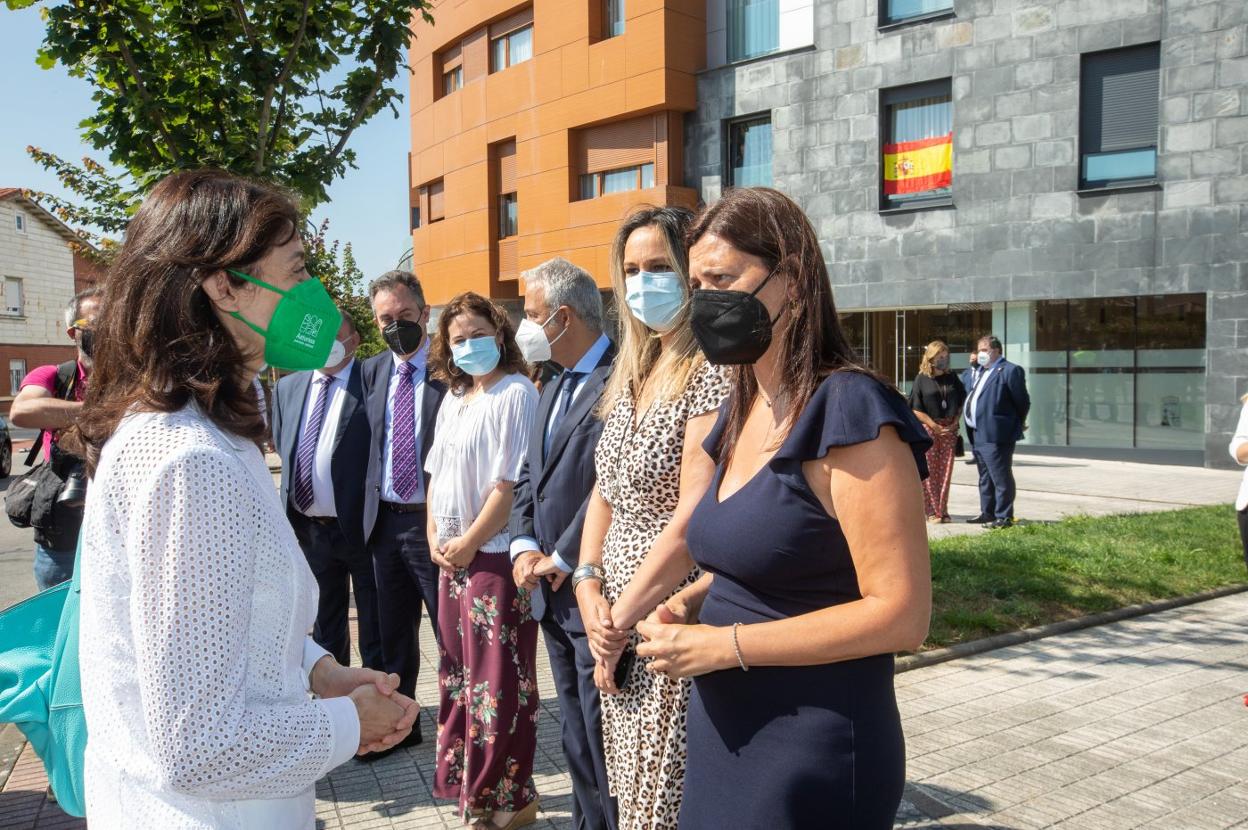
point(402, 407)
point(564, 322)
point(320, 431)
point(995, 414)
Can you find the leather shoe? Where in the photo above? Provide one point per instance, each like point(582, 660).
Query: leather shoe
point(979, 520)
point(414, 739)
point(1000, 523)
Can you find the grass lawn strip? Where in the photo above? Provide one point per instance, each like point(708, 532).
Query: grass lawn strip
point(1035, 574)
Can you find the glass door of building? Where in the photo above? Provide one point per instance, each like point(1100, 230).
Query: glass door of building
point(892, 342)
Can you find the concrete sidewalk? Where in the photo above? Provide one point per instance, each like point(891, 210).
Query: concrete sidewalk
point(1139, 724)
point(1051, 488)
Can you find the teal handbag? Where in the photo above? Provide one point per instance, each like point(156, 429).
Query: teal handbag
point(40, 688)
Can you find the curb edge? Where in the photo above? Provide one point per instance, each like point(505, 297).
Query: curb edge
point(911, 662)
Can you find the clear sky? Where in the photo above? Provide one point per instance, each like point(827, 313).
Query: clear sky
point(367, 208)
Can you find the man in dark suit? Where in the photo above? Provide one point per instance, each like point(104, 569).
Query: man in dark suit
point(996, 414)
point(563, 323)
point(320, 431)
point(403, 402)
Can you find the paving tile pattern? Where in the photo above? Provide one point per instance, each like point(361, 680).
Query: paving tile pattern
point(1139, 724)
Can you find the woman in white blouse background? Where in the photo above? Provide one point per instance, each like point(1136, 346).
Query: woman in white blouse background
point(197, 666)
point(1239, 452)
point(487, 714)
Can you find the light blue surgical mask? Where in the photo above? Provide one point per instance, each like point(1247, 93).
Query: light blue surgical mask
point(655, 298)
point(478, 356)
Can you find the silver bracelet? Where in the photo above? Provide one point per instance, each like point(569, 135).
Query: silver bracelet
point(584, 572)
point(737, 648)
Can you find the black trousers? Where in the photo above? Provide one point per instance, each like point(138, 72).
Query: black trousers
point(406, 577)
point(341, 569)
point(1243, 531)
point(572, 667)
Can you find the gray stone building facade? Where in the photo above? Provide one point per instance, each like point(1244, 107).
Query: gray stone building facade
point(1127, 304)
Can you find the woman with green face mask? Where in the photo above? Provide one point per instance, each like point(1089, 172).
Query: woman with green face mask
point(196, 602)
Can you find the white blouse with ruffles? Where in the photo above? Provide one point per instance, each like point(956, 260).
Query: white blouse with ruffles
point(478, 442)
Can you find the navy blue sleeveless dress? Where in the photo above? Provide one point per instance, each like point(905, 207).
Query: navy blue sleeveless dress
point(811, 746)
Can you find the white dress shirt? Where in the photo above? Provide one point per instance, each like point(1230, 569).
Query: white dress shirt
point(418, 360)
point(1238, 440)
point(587, 364)
point(981, 380)
point(195, 654)
point(322, 474)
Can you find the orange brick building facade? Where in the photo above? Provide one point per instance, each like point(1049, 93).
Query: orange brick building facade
point(537, 126)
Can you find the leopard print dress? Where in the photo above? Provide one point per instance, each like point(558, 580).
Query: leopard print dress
point(638, 467)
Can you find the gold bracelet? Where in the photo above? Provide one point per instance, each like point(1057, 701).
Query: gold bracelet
point(737, 648)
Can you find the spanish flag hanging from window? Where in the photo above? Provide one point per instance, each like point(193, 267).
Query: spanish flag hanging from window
point(917, 166)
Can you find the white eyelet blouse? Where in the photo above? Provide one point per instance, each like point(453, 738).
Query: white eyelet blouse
point(196, 605)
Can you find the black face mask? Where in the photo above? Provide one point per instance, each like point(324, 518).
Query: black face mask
point(86, 341)
point(732, 327)
point(403, 336)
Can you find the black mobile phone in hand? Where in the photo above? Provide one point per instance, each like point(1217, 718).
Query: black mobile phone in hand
point(622, 668)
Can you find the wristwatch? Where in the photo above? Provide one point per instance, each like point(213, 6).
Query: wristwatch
point(584, 572)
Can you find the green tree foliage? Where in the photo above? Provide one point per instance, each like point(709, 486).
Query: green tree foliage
point(344, 280)
point(272, 89)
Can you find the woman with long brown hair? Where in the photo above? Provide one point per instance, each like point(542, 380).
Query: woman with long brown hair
point(658, 406)
point(936, 398)
point(196, 598)
point(812, 531)
point(487, 637)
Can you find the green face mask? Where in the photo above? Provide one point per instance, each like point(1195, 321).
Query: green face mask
point(303, 327)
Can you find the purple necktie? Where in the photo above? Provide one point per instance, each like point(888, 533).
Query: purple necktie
point(404, 464)
point(305, 458)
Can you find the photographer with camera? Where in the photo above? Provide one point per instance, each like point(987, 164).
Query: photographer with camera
point(50, 400)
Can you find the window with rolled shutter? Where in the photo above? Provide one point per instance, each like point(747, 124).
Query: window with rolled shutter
point(437, 209)
point(1119, 95)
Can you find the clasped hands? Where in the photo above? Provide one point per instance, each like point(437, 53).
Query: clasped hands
point(452, 555)
point(672, 644)
point(386, 716)
point(533, 566)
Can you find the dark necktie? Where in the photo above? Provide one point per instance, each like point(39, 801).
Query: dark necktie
point(305, 458)
point(404, 465)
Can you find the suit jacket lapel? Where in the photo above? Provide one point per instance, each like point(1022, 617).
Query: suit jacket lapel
point(428, 412)
point(355, 391)
point(379, 385)
point(537, 448)
point(299, 402)
point(584, 405)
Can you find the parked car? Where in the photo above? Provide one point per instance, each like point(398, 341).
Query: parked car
point(6, 448)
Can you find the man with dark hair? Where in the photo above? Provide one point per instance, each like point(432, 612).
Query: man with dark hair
point(320, 432)
point(49, 400)
point(402, 405)
point(996, 414)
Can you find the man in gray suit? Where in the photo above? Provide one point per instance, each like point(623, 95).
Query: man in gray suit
point(320, 431)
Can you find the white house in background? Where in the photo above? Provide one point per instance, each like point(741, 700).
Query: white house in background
point(40, 274)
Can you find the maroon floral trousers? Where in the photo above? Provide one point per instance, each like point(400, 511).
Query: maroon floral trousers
point(939, 470)
point(487, 708)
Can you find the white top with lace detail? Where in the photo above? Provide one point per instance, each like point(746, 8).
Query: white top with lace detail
point(478, 441)
point(195, 654)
